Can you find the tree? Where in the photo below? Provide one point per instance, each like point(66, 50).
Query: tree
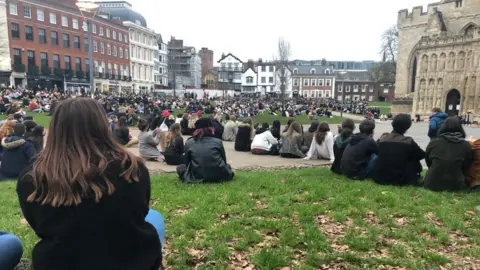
point(283, 71)
point(385, 71)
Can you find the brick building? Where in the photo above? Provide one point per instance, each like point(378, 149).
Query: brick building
point(49, 46)
point(313, 81)
point(206, 56)
point(362, 86)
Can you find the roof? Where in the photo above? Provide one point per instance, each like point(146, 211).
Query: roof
point(354, 75)
point(214, 71)
point(305, 69)
point(227, 55)
point(159, 38)
point(123, 14)
point(249, 67)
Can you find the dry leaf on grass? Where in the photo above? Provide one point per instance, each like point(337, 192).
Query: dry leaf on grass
point(471, 213)
point(240, 261)
point(401, 221)
point(432, 218)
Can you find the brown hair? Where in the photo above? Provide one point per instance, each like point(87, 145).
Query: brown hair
point(6, 129)
point(172, 133)
point(321, 132)
point(294, 126)
point(79, 149)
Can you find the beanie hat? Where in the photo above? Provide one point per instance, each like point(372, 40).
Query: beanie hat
point(166, 114)
point(203, 123)
point(19, 129)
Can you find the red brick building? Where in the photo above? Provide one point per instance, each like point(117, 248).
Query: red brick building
point(49, 46)
point(359, 85)
point(207, 60)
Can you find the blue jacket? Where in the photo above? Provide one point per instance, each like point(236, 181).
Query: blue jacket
point(17, 153)
point(436, 121)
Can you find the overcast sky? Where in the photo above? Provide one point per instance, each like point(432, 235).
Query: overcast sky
point(336, 30)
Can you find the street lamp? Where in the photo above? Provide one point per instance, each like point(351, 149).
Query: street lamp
point(342, 73)
point(88, 9)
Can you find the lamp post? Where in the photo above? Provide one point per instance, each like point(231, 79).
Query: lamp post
point(88, 9)
point(342, 73)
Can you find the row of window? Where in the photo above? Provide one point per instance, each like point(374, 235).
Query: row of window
point(355, 88)
point(44, 63)
point(313, 71)
point(116, 51)
point(317, 93)
point(142, 72)
point(145, 39)
point(111, 69)
point(312, 82)
point(27, 13)
point(249, 79)
point(143, 53)
point(356, 98)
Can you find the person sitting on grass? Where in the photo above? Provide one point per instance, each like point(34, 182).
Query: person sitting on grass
point(322, 144)
point(244, 137)
point(264, 143)
point(17, 153)
point(308, 136)
point(359, 157)
point(276, 129)
point(186, 130)
point(122, 134)
point(33, 106)
point(399, 156)
point(449, 158)
point(37, 137)
point(148, 142)
point(292, 142)
point(87, 198)
point(230, 129)
point(205, 158)
point(29, 126)
point(174, 152)
point(345, 132)
point(11, 250)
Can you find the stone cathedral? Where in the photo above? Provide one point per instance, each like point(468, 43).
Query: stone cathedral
point(438, 59)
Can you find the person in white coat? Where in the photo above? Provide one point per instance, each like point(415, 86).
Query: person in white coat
point(264, 143)
point(322, 144)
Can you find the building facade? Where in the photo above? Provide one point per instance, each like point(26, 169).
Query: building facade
point(209, 80)
point(5, 59)
point(160, 72)
point(230, 72)
point(313, 81)
point(250, 79)
point(206, 57)
point(361, 86)
point(438, 60)
point(49, 47)
point(184, 65)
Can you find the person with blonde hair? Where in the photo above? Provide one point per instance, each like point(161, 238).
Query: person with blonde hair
point(175, 150)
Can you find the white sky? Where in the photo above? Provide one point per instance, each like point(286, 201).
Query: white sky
point(249, 29)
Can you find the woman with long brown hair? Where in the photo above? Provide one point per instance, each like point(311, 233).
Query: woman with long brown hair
point(322, 144)
point(87, 198)
point(292, 142)
point(174, 152)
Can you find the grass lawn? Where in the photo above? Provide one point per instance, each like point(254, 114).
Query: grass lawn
point(40, 118)
point(301, 219)
point(385, 107)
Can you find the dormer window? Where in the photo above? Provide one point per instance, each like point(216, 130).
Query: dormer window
point(295, 71)
point(458, 3)
point(327, 71)
point(313, 71)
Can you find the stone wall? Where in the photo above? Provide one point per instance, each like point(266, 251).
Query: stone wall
point(401, 106)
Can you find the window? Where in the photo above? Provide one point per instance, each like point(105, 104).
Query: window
point(385, 90)
point(295, 82)
point(305, 82)
point(125, 38)
point(314, 82)
point(264, 68)
point(53, 18)
point(119, 36)
point(109, 49)
point(347, 89)
point(371, 89)
point(56, 61)
point(270, 68)
point(339, 88)
point(370, 98)
point(64, 21)
point(27, 12)
point(101, 31)
point(95, 46)
point(54, 37)
point(249, 79)
point(31, 58)
point(295, 71)
point(458, 4)
point(313, 71)
point(17, 56)
point(320, 82)
point(114, 34)
point(78, 64)
point(263, 80)
point(108, 33)
point(364, 87)
point(86, 44)
point(76, 42)
point(68, 65)
point(120, 51)
point(355, 88)
point(15, 30)
point(66, 41)
point(43, 60)
point(85, 26)
point(75, 23)
point(40, 15)
point(94, 28)
point(327, 82)
point(29, 33)
point(13, 8)
point(270, 80)
point(114, 50)
point(42, 36)
point(87, 65)
point(102, 48)
point(126, 54)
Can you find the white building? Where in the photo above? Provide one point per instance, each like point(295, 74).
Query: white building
point(230, 73)
point(5, 59)
point(249, 80)
point(160, 73)
point(266, 77)
point(143, 49)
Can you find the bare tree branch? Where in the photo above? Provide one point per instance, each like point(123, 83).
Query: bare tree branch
point(389, 45)
point(283, 72)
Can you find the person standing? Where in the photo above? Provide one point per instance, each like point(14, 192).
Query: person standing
point(436, 121)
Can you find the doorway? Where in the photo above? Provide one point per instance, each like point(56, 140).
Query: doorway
point(452, 104)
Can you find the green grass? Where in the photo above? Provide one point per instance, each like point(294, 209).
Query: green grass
point(40, 118)
point(303, 219)
point(385, 107)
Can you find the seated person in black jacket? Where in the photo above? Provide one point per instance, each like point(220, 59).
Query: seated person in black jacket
point(174, 153)
point(360, 155)
point(341, 141)
point(399, 156)
point(184, 125)
point(122, 134)
point(217, 126)
point(244, 137)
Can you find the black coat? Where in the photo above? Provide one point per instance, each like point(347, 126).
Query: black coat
point(338, 149)
point(184, 127)
point(398, 160)
point(111, 234)
point(243, 140)
point(356, 156)
point(121, 134)
point(174, 152)
point(448, 158)
point(206, 161)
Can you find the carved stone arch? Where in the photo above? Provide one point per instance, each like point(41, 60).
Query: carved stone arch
point(451, 61)
point(412, 69)
point(470, 59)
point(461, 60)
point(468, 29)
point(424, 63)
point(433, 63)
point(442, 62)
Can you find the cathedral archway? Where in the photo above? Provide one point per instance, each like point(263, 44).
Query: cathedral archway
point(452, 103)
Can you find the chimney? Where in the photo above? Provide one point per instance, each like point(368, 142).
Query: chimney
point(260, 60)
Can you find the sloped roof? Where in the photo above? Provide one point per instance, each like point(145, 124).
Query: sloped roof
point(305, 69)
point(354, 75)
point(229, 54)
